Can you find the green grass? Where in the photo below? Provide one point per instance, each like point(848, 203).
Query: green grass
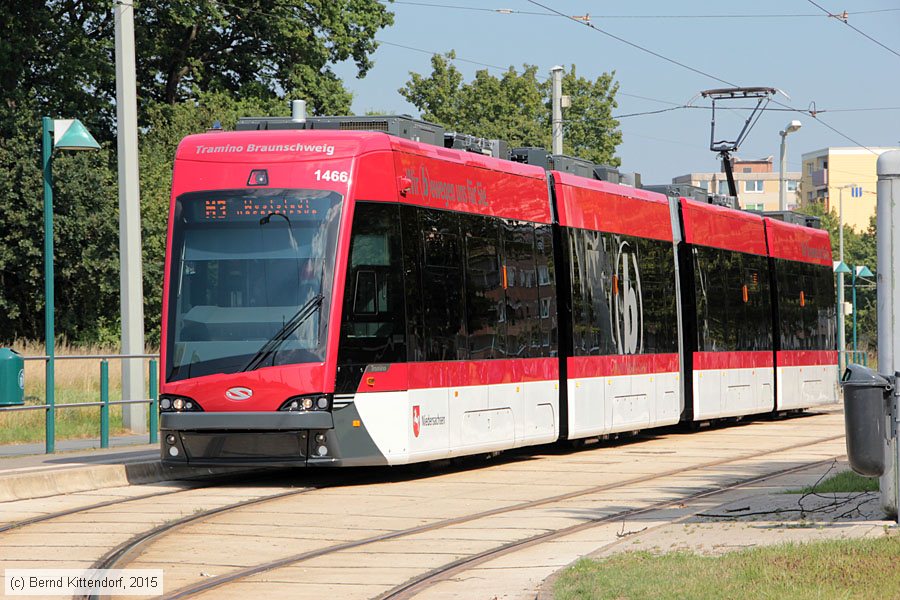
point(843, 482)
point(850, 569)
point(77, 381)
point(20, 427)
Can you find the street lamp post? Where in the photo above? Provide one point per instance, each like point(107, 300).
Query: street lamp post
point(790, 128)
point(61, 134)
point(858, 271)
point(842, 343)
point(840, 268)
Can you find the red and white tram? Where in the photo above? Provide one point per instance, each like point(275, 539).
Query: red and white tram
point(346, 297)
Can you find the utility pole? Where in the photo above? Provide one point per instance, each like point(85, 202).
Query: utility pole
point(556, 101)
point(130, 279)
point(888, 303)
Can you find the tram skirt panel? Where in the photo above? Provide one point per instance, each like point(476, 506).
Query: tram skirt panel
point(806, 386)
point(602, 405)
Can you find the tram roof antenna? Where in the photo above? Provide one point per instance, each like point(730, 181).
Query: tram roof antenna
point(725, 147)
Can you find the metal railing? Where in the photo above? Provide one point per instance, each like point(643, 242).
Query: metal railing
point(858, 357)
point(104, 403)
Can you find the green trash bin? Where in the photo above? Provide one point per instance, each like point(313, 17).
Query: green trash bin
point(12, 378)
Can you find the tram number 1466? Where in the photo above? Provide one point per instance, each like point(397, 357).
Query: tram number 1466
point(337, 176)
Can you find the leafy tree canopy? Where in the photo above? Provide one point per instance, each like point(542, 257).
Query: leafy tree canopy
point(516, 107)
point(197, 62)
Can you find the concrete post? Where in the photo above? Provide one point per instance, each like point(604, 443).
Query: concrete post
point(842, 344)
point(782, 197)
point(130, 279)
point(556, 109)
point(888, 247)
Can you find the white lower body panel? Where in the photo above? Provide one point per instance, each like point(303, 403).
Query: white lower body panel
point(732, 392)
point(806, 386)
point(437, 423)
point(602, 405)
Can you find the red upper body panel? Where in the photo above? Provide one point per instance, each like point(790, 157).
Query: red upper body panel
point(724, 228)
point(602, 206)
point(795, 242)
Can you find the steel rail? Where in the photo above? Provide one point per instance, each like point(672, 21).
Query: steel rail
point(122, 553)
point(422, 582)
point(239, 574)
point(206, 482)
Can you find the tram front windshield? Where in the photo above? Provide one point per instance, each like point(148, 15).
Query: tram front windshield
point(250, 279)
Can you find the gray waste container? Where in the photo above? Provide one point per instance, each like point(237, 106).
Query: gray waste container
point(866, 395)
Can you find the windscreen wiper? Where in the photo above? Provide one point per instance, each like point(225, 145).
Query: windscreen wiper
point(272, 345)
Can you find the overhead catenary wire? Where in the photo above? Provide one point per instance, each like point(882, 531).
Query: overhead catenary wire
point(856, 29)
point(692, 69)
point(512, 11)
point(786, 107)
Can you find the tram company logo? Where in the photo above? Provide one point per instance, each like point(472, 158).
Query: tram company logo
point(239, 393)
point(417, 420)
point(626, 302)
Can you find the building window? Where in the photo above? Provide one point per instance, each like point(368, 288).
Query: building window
point(809, 196)
point(723, 188)
point(747, 170)
point(753, 185)
point(760, 206)
point(809, 168)
point(791, 186)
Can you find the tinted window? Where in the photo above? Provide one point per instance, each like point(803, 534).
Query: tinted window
point(485, 301)
point(733, 306)
point(250, 279)
point(547, 335)
point(442, 286)
point(623, 294)
point(373, 326)
point(806, 306)
point(523, 324)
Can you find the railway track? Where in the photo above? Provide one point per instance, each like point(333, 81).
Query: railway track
point(427, 579)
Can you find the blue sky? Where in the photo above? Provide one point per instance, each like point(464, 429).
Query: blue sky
point(812, 58)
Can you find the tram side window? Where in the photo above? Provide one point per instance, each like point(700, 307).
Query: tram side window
point(806, 304)
point(791, 325)
point(373, 323)
point(412, 275)
point(757, 324)
point(733, 303)
point(523, 319)
point(657, 276)
point(443, 304)
point(546, 281)
point(592, 271)
point(485, 298)
point(826, 324)
point(714, 331)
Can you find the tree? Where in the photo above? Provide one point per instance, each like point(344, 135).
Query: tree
point(198, 61)
point(257, 48)
point(516, 107)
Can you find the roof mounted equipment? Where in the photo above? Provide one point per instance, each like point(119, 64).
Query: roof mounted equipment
point(401, 126)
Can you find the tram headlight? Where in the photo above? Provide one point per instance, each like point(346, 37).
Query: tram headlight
point(307, 403)
point(320, 438)
point(172, 403)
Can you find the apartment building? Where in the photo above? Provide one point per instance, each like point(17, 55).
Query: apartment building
point(757, 184)
point(830, 173)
